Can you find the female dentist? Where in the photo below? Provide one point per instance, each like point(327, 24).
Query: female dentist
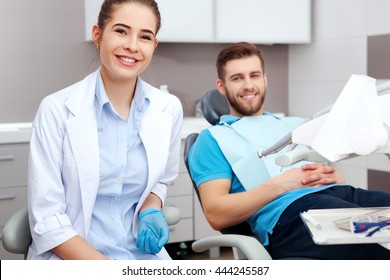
point(103, 150)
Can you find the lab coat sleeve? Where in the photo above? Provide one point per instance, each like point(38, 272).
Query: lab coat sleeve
point(50, 225)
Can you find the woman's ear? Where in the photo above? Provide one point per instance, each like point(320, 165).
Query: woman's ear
point(96, 35)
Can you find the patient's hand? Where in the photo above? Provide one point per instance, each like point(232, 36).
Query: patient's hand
point(319, 174)
point(310, 175)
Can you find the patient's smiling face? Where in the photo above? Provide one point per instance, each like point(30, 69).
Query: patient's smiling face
point(244, 85)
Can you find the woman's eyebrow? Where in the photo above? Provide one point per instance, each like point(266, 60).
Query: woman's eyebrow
point(128, 27)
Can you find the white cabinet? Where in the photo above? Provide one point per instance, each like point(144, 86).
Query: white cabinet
point(186, 21)
point(13, 185)
point(193, 225)
point(263, 21)
point(180, 195)
point(225, 21)
point(182, 21)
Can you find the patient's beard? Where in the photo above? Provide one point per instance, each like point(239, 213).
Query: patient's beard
point(244, 109)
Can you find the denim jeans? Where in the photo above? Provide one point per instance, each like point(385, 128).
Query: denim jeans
point(291, 239)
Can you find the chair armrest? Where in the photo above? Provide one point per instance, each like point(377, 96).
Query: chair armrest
point(250, 246)
point(16, 233)
point(172, 215)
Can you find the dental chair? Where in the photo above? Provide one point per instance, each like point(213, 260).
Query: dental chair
point(213, 106)
point(360, 89)
point(240, 237)
point(17, 236)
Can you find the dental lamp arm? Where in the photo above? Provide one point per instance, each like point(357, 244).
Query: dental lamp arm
point(285, 141)
point(292, 157)
point(383, 88)
point(297, 155)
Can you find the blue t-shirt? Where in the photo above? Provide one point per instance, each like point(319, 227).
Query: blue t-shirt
point(207, 162)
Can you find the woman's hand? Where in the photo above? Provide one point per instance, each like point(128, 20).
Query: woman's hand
point(153, 231)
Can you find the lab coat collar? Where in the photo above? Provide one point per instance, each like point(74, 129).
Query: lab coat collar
point(83, 102)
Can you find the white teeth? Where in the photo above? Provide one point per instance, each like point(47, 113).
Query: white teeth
point(248, 96)
point(126, 59)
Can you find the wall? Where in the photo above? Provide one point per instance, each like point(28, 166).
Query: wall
point(378, 56)
point(319, 71)
point(43, 50)
point(189, 70)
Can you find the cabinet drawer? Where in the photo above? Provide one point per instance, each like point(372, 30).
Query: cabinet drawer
point(11, 200)
point(181, 186)
point(182, 231)
point(13, 164)
point(183, 203)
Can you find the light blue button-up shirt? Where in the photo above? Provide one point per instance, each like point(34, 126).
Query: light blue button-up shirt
point(123, 176)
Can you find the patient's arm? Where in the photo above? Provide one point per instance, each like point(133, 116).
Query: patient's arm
point(223, 209)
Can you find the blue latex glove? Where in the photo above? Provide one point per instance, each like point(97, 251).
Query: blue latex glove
point(153, 231)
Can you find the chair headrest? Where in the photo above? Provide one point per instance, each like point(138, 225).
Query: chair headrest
point(213, 105)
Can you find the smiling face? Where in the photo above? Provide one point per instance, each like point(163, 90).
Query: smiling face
point(244, 85)
point(127, 42)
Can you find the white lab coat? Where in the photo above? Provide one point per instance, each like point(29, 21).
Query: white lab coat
point(63, 174)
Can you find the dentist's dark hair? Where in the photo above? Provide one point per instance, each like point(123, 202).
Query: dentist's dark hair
point(237, 51)
point(106, 11)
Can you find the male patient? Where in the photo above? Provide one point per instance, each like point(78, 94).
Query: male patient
point(236, 186)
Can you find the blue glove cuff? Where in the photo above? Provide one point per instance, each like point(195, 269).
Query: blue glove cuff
point(147, 212)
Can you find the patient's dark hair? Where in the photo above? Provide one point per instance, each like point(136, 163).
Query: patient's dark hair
point(106, 10)
point(236, 51)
